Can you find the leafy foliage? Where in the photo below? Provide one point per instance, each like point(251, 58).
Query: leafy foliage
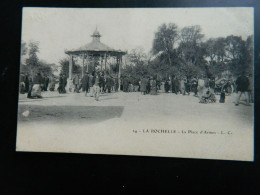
point(165, 40)
point(33, 64)
point(137, 65)
point(184, 53)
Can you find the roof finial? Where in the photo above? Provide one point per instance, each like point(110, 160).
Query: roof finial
point(96, 35)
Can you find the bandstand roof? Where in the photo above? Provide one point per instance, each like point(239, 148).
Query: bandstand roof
point(95, 48)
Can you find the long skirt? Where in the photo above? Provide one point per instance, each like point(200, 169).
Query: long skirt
point(153, 91)
point(200, 91)
point(91, 91)
point(96, 91)
point(162, 87)
point(136, 88)
point(36, 90)
point(130, 88)
point(143, 87)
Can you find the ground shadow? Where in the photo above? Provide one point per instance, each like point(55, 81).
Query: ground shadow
point(90, 114)
point(38, 99)
point(110, 98)
point(54, 97)
point(31, 100)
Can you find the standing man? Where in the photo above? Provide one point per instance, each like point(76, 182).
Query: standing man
point(175, 85)
point(96, 86)
point(85, 83)
point(64, 84)
point(60, 88)
point(43, 83)
point(102, 81)
point(148, 85)
point(52, 83)
point(26, 82)
point(153, 87)
point(113, 84)
point(22, 83)
point(242, 83)
point(250, 89)
point(116, 84)
point(109, 84)
point(143, 85)
point(167, 86)
point(91, 76)
point(76, 83)
point(125, 84)
point(29, 95)
point(182, 86)
point(194, 86)
point(46, 82)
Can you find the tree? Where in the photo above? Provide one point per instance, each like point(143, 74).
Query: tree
point(191, 34)
point(137, 64)
point(211, 50)
point(231, 54)
point(237, 55)
point(165, 41)
point(45, 68)
point(191, 51)
point(137, 57)
point(220, 46)
point(215, 54)
point(64, 63)
point(32, 62)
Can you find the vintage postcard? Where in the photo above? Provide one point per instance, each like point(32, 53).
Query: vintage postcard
point(169, 82)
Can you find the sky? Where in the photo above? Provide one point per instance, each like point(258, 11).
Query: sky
point(58, 29)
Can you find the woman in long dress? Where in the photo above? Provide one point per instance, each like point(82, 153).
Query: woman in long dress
point(201, 87)
point(143, 86)
point(36, 89)
point(52, 84)
point(182, 86)
point(153, 87)
point(167, 86)
point(60, 88)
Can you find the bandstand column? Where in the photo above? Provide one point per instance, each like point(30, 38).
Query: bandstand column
point(70, 66)
point(105, 61)
point(101, 62)
point(83, 60)
point(87, 61)
point(69, 80)
point(119, 59)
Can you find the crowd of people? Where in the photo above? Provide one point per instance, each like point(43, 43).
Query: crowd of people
point(93, 84)
point(34, 85)
point(204, 87)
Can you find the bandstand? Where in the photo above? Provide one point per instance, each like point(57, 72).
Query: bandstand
point(99, 53)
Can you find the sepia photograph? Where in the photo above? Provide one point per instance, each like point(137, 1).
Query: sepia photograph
point(165, 82)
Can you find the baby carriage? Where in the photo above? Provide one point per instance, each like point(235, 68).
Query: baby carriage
point(208, 96)
point(223, 85)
